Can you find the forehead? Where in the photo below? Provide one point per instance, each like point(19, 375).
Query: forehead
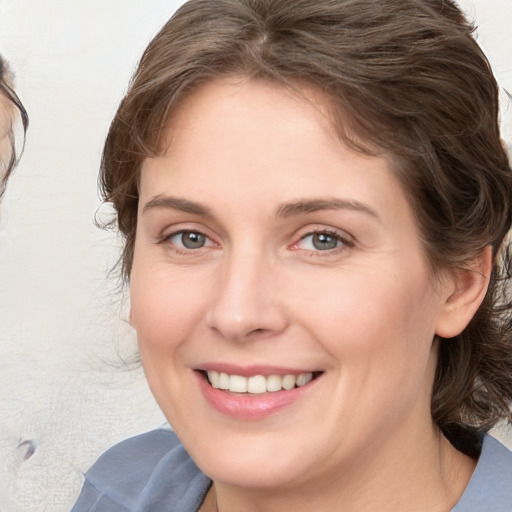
point(248, 139)
point(219, 96)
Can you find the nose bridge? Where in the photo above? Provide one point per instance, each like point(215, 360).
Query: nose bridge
point(245, 302)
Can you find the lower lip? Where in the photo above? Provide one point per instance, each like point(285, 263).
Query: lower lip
point(251, 407)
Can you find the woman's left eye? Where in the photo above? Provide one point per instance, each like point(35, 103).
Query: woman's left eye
point(322, 241)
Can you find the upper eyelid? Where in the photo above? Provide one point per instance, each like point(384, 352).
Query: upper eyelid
point(331, 232)
point(172, 234)
point(172, 230)
point(338, 233)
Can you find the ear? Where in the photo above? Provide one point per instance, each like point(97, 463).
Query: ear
point(465, 293)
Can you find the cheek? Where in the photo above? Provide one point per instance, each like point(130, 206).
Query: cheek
point(383, 321)
point(166, 307)
point(379, 334)
point(164, 312)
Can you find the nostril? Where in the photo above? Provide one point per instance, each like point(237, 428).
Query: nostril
point(29, 448)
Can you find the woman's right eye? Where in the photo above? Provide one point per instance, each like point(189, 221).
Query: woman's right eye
point(189, 240)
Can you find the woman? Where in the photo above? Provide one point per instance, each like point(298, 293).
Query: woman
point(9, 103)
point(314, 199)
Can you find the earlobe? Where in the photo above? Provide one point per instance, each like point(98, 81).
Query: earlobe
point(467, 292)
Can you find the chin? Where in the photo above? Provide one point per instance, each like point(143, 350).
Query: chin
point(248, 472)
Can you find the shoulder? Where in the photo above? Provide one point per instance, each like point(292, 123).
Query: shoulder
point(490, 487)
point(147, 472)
point(143, 452)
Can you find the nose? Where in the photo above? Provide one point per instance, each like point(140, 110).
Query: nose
point(247, 303)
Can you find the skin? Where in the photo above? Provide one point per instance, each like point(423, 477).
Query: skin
point(365, 313)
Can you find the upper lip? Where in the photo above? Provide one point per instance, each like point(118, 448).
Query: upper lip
point(254, 369)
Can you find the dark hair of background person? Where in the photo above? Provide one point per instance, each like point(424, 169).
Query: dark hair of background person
point(404, 79)
point(7, 93)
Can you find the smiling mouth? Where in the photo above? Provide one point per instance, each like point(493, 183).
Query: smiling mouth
point(258, 384)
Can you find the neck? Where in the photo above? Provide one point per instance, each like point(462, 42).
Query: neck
point(398, 477)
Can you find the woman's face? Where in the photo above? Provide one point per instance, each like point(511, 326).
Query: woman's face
point(281, 262)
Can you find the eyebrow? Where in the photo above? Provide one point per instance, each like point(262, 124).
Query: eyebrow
point(177, 203)
point(313, 205)
point(285, 210)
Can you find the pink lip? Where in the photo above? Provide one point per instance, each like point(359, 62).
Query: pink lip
point(250, 407)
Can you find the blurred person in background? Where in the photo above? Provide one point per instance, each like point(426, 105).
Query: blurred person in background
point(10, 108)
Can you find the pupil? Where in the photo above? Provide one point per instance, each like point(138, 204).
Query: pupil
point(324, 242)
point(193, 240)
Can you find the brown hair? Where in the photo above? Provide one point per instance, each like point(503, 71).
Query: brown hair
point(7, 93)
point(403, 76)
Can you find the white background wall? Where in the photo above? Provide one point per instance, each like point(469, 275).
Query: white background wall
point(73, 60)
point(58, 309)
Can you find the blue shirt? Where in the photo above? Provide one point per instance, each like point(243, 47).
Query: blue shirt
point(154, 473)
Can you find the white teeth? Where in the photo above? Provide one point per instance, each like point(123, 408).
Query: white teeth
point(258, 383)
point(288, 381)
point(237, 384)
point(303, 379)
point(214, 379)
point(223, 381)
point(274, 383)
